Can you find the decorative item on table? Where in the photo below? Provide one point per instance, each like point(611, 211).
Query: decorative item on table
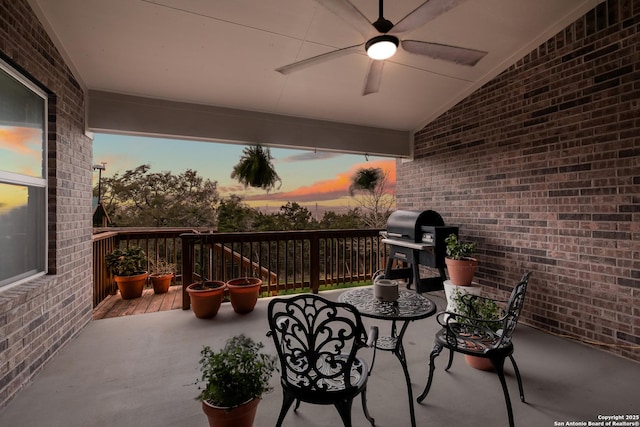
point(385, 290)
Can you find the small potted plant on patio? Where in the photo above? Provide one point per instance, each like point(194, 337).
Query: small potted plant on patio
point(243, 293)
point(128, 267)
point(162, 274)
point(478, 313)
point(206, 297)
point(459, 259)
point(233, 380)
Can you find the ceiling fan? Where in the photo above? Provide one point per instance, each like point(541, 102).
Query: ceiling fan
point(382, 39)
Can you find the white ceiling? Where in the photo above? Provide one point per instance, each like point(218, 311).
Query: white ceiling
point(224, 53)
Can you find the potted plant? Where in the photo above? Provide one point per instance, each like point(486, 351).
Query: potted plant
point(161, 276)
point(481, 313)
point(206, 298)
point(243, 293)
point(459, 259)
point(233, 380)
point(128, 267)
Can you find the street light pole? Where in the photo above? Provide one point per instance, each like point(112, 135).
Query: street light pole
point(100, 168)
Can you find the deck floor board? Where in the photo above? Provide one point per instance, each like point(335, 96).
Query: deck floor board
point(115, 306)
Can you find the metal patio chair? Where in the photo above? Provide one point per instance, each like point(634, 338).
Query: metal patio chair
point(481, 338)
point(317, 341)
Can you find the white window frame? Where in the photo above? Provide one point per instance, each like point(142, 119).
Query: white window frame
point(25, 180)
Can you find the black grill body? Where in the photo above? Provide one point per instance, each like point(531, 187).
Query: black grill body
point(417, 238)
point(409, 225)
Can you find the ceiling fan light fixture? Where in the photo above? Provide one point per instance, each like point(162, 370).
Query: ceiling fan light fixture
point(382, 47)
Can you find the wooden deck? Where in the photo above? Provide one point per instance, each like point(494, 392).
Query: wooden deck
point(115, 306)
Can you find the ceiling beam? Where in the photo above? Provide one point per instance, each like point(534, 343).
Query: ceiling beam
point(125, 114)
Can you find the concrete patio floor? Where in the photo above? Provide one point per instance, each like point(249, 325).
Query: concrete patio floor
point(140, 370)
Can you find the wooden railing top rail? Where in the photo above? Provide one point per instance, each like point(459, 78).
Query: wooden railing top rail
point(104, 236)
point(261, 236)
point(150, 230)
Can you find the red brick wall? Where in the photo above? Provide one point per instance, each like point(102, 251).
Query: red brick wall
point(541, 167)
point(39, 317)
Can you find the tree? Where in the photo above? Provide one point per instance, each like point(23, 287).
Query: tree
point(351, 219)
point(266, 221)
point(233, 215)
point(255, 168)
point(368, 189)
point(292, 216)
point(144, 199)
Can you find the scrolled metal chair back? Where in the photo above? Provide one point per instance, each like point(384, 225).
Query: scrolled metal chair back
point(316, 340)
point(514, 307)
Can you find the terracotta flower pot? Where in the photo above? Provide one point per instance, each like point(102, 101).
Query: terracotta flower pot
point(131, 287)
point(206, 298)
point(240, 416)
point(461, 271)
point(161, 282)
point(243, 293)
point(481, 363)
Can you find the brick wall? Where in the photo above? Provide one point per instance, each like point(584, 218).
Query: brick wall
point(38, 318)
point(542, 168)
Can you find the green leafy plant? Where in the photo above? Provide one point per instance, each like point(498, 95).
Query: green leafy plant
point(457, 249)
point(127, 262)
point(237, 373)
point(255, 168)
point(477, 311)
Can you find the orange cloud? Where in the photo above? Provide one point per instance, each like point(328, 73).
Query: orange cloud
point(333, 188)
point(19, 139)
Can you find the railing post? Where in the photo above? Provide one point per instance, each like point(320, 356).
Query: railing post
point(102, 277)
point(314, 262)
point(187, 269)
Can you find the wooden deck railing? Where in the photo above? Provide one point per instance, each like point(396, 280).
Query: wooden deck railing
point(284, 260)
point(158, 243)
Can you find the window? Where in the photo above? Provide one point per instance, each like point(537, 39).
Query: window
point(23, 184)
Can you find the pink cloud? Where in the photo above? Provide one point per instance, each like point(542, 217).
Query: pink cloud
point(332, 188)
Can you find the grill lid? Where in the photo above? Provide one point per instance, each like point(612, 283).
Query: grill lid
point(408, 224)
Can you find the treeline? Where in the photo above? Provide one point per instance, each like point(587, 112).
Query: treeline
point(141, 198)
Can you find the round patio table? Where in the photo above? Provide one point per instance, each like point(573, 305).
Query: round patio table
point(410, 306)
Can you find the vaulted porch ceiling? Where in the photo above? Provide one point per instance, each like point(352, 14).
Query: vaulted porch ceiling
point(218, 59)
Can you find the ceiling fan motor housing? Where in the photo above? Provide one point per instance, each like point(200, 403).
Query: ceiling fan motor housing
point(383, 25)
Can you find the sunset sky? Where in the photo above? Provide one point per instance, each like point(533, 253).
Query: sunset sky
point(21, 153)
point(312, 179)
point(21, 150)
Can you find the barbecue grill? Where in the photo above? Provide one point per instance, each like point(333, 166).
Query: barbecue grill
point(417, 238)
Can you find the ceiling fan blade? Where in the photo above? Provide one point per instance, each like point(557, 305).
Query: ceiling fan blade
point(296, 66)
point(374, 76)
point(345, 10)
point(459, 55)
point(424, 13)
